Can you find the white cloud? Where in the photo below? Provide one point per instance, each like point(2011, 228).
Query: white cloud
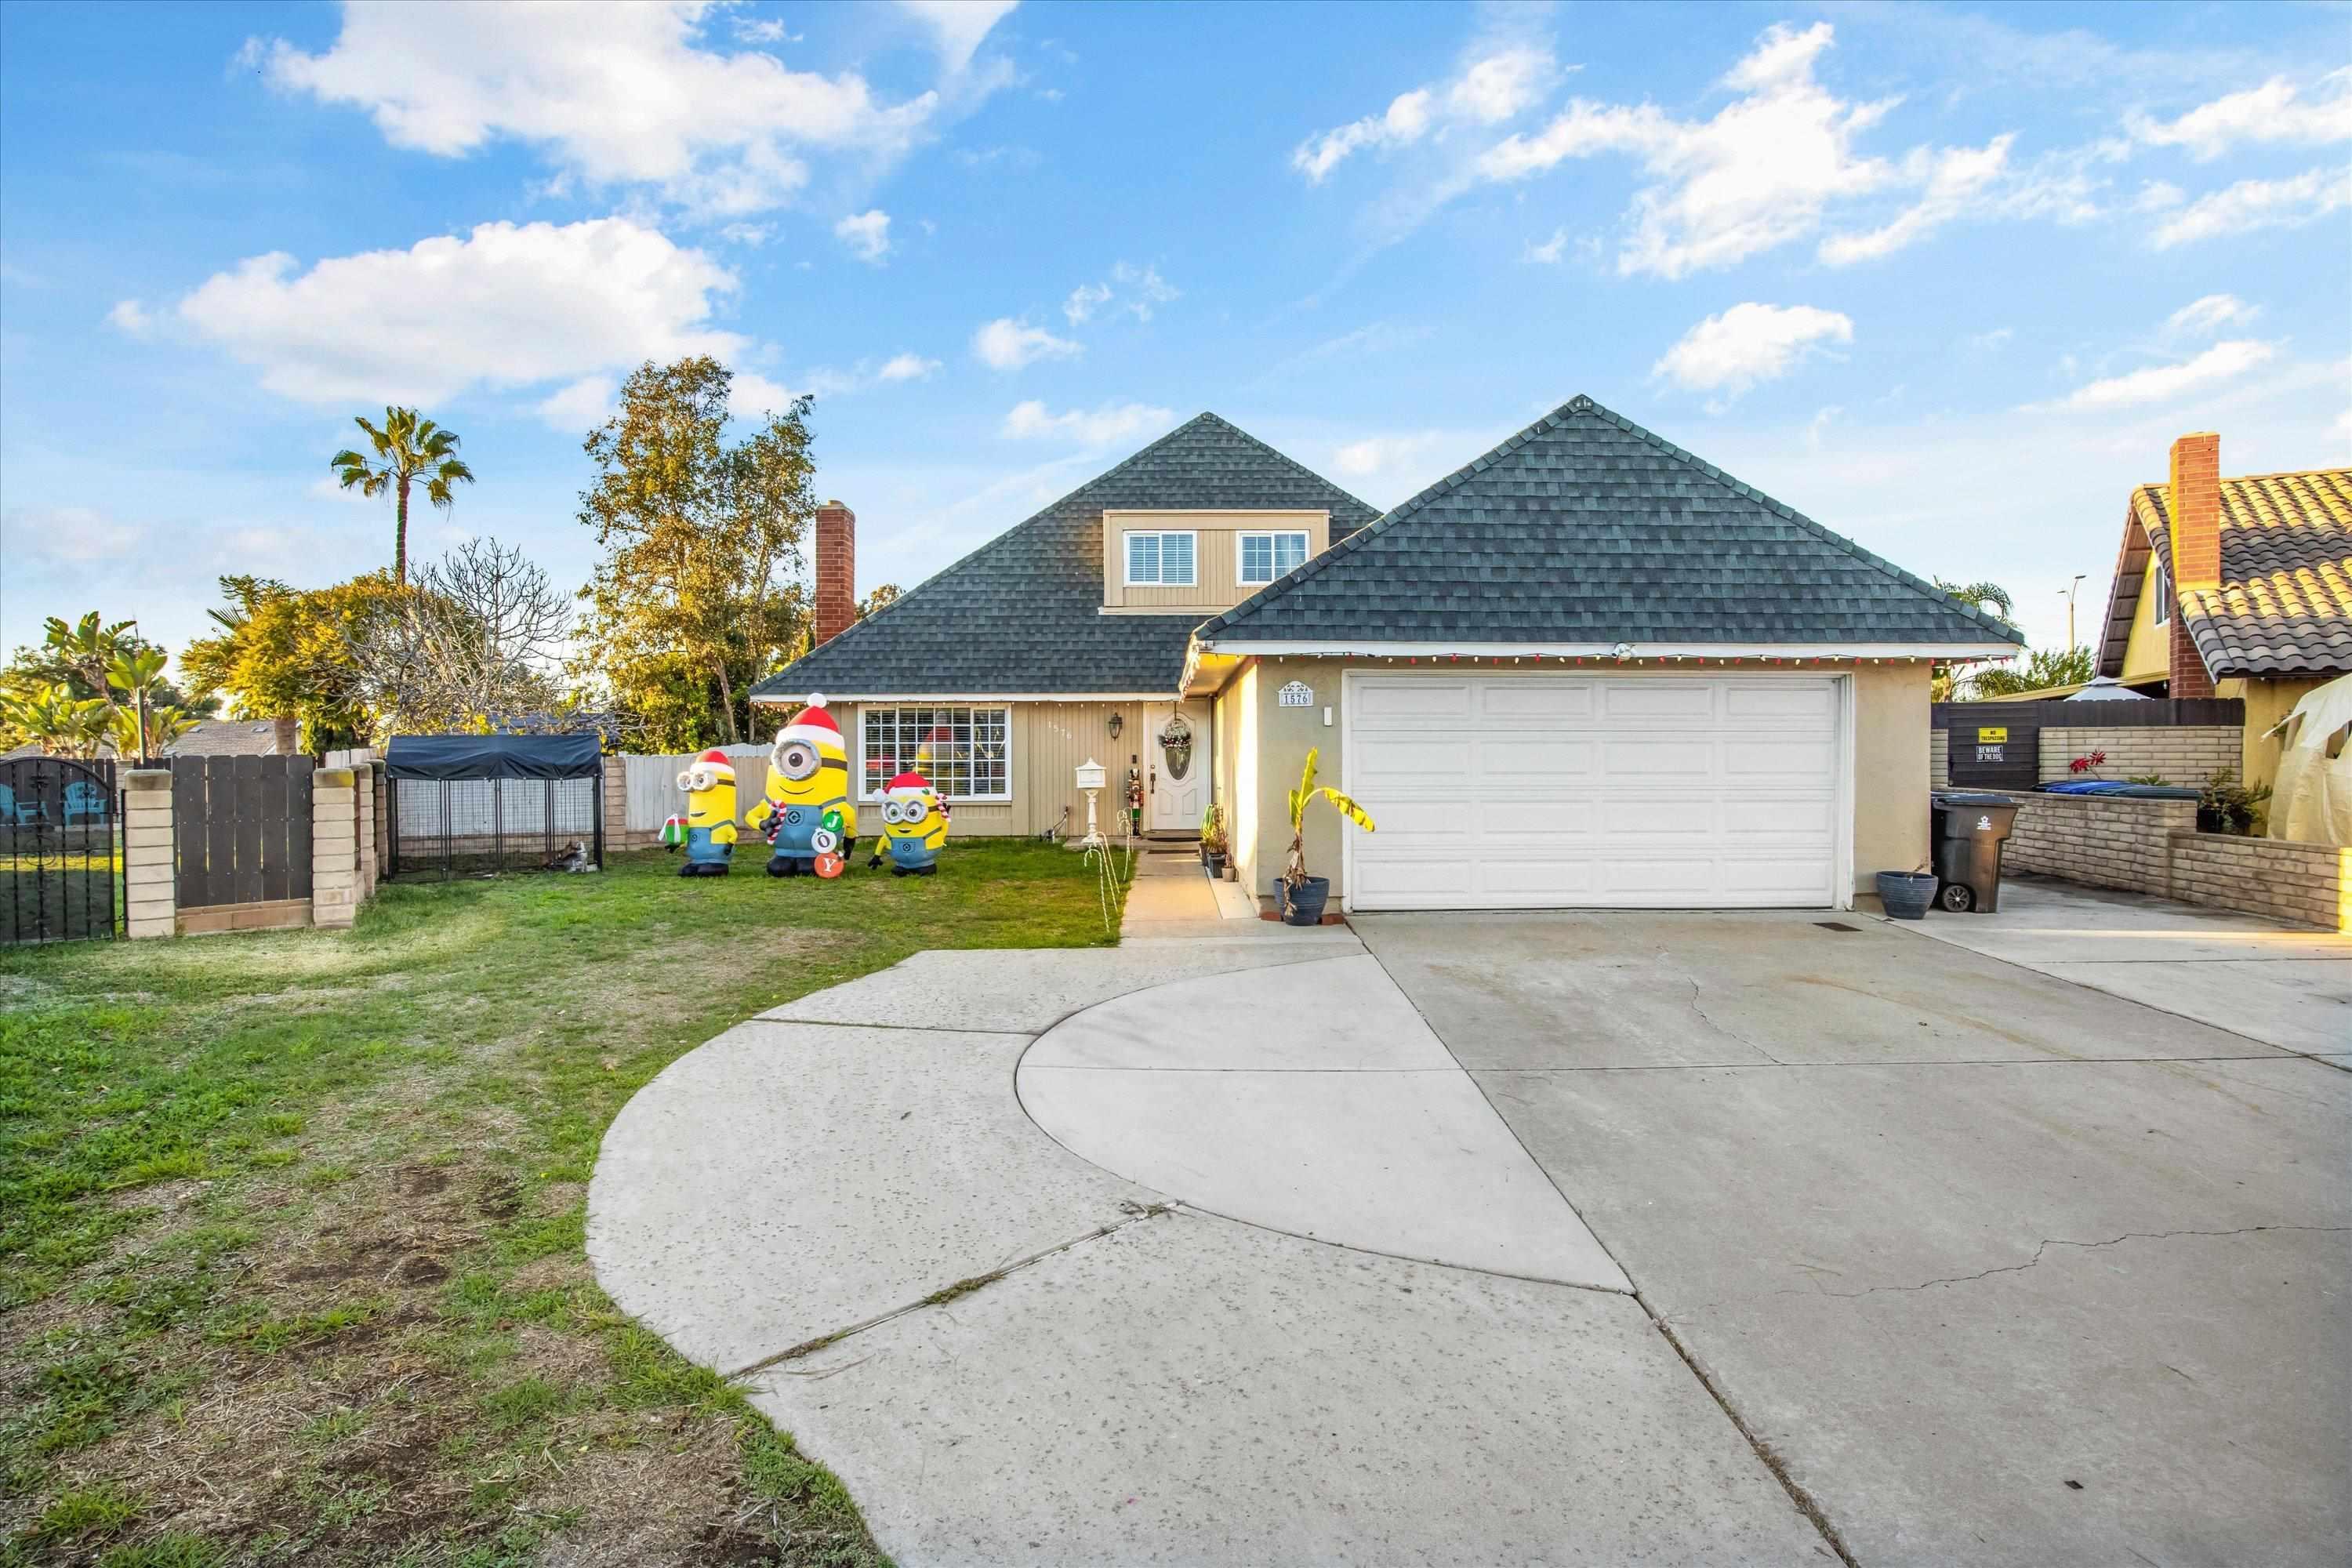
point(868, 235)
point(1985, 342)
point(907, 367)
point(1549, 251)
point(1083, 302)
point(129, 316)
point(581, 406)
point(2158, 195)
point(2258, 204)
point(1139, 291)
point(611, 94)
point(1750, 343)
point(2223, 362)
point(1500, 83)
point(764, 30)
point(753, 396)
point(2274, 112)
point(1112, 422)
point(1954, 179)
point(508, 305)
point(1762, 172)
point(957, 27)
point(2210, 314)
point(1007, 344)
point(752, 234)
point(67, 536)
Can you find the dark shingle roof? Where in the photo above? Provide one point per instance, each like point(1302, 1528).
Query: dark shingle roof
point(1585, 528)
point(2285, 605)
point(1022, 612)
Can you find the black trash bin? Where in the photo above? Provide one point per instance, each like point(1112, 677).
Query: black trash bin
point(1970, 829)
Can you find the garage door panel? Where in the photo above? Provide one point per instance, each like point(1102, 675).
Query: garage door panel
point(1536, 701)
point(1652, 699)
point(1544, 761)
point(1783, 703)
point(1541, 791)
point(1415, 700)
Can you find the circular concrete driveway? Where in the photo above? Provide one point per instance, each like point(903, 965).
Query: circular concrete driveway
point(1279, 1286)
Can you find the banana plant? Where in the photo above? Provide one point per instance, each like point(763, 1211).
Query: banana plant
point(1293, 868)
point(63, 723)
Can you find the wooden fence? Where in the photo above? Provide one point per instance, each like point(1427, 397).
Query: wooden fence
point(243, 839)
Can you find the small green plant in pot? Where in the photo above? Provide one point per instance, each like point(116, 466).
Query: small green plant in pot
point(1302, 896)
point(1213, 840)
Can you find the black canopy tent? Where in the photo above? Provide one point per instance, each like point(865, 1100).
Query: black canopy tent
point(494, 803)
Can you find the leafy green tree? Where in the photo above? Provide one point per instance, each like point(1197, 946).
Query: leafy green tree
point(87, 683)
point(697, 594)
point(292, 652)
point(407, 449)
point(2044, 667)
point(1988, 596)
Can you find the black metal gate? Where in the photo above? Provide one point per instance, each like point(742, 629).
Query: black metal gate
point(61, 847)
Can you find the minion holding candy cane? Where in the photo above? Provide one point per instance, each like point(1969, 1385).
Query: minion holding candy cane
point(810, 820)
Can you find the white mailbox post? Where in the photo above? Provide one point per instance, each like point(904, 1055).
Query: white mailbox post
point(1089, 775)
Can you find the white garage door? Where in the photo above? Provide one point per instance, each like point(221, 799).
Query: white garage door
point(1551, 792)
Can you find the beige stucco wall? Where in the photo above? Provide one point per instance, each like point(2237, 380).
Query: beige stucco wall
point(2267, 702)
point(1890, 764)
point(1890, 770)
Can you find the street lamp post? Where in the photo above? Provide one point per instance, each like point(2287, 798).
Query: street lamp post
point(2068, 594)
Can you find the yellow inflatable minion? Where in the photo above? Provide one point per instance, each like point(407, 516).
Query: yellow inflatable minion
point(914, 826)
point(809, 817)
point(710, 785)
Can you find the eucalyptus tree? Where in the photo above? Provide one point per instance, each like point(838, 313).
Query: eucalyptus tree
point(408, 450)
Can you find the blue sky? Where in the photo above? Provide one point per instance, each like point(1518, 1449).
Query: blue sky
point(1948, 278)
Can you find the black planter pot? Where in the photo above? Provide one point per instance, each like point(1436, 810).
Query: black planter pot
point(1907, 894)
point(1303, 905)
point(1214, 860)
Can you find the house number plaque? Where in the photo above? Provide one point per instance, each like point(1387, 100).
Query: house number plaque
point(1297, 694)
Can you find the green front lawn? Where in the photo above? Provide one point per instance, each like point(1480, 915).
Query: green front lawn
point(290, 1224)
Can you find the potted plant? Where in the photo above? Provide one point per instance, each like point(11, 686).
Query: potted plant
point(1212, 841)
point(1907, 894)
point(1300, 896)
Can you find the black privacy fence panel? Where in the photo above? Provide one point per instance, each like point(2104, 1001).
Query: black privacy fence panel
point(61, 848)
point(448, 827)
point(243, 825)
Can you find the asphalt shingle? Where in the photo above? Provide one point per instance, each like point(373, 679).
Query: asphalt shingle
point(1585, 528)
point(1022, 612)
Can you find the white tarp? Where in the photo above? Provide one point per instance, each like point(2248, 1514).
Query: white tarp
point(2310, 801)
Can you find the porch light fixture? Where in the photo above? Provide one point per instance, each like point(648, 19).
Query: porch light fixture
point(1118, 723)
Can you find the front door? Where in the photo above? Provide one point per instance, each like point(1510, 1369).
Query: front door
point(1175, 769)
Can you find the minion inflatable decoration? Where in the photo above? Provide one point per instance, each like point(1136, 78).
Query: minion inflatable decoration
point(914, 826)
point(710, 786)
point(810, 820)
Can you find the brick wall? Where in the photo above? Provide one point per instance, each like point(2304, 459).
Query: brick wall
point(1939, 759)
point(2305, 882)
point(2185, 754)
point(2099, 840)
point(2153, 846)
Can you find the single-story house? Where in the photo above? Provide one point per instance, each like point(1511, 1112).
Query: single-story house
point(2233, 588)
point(1588, 668)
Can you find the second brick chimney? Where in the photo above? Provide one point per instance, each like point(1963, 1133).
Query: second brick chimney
point(836, 570)
point(2193, 499)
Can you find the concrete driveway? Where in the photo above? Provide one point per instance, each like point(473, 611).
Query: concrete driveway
point(2000, 1268)
point(1513, 1239)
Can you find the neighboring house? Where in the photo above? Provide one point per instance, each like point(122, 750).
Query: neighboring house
point(2233, 588)
point(235, 738)
point(1586, 669)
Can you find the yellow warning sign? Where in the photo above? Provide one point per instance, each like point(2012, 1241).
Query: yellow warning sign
point(1992, 734)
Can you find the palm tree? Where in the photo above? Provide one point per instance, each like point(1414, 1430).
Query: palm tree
point(1988, 596)
point(407, 449)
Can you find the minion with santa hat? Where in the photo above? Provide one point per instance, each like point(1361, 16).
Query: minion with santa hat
point(809, 817)
point(914, 826)
point(710, 785)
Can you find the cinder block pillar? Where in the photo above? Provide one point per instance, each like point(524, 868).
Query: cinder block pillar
point(151, 894)
point(363, 796)
point(616, 804)
point(334, 848)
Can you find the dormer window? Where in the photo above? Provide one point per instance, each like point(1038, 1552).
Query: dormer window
point(1161, 561)
point(1266, 556)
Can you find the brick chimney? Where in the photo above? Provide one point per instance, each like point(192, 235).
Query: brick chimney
point(2194, 500)
point(836, 570)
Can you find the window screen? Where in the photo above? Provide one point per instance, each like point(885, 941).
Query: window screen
point(965, 752)
point(1266, 556)
point(1160, 559)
